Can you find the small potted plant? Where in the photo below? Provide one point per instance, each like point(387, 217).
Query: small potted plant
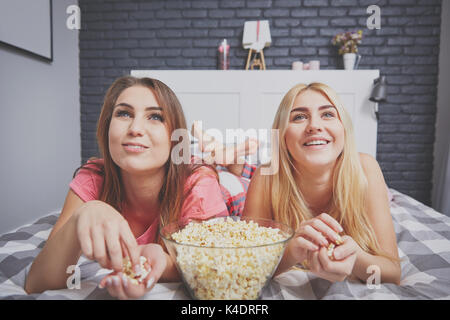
point(348, 47)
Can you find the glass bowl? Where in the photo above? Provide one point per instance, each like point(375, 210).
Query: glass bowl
point(224, 271)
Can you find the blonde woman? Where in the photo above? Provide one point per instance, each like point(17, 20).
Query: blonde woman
point(327, 191)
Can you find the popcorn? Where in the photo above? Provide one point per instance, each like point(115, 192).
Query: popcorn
point(332, 246)
point(330, 250)
point(228, 259)
point(339, 240)
point(304, 266)
point(127, 270)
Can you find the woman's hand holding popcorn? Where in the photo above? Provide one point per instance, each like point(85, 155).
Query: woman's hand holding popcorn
point(312, 234)
point(336, 264)
point(129, 285)
point(104, 235)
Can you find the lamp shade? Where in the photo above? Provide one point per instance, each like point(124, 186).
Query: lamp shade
point(379, 91)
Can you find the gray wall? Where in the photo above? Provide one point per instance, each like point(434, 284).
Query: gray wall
point(117, 36)
point(39, 126)
point(441, 171)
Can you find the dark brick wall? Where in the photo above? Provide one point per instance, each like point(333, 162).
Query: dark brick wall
point(117, 36)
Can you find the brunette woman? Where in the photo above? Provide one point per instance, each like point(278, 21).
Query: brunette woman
point(116, 203)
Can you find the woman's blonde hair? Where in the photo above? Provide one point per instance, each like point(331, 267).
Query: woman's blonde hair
point(349, 181)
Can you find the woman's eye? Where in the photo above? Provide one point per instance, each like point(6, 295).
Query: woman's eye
point(328, 115)
point(299, 117)
point(122, 113)
point(156, 116)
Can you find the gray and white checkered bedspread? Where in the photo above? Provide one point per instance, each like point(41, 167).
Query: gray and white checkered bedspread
point(423, 237)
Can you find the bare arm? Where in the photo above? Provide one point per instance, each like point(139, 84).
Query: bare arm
point(257, 205)
point(93, 228)
point(380, 218)
point(61, 250)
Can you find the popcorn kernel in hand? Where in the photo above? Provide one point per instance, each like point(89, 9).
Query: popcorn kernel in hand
point(339, 240)
point(330, 250)
point(127, 270)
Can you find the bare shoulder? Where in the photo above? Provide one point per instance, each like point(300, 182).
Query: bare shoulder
point(259, 181)
point(367, 161)
point(377, 188)
point(370, 166)
point(257, 177)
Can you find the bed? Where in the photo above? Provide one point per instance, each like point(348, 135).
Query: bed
point(248, 100)
point(423, 237)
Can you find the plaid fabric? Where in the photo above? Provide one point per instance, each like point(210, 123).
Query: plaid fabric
point(423, 237)
point(234, 188)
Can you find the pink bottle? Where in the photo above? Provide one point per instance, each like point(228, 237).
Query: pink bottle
point(224, 55)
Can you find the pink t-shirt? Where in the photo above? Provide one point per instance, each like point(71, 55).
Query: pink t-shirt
point(204, 200)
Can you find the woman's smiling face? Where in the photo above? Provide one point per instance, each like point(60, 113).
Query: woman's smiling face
point(315, 134)
point(138, 135)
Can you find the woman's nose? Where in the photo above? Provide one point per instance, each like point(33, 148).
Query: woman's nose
point(136, 127)
point(314, 125)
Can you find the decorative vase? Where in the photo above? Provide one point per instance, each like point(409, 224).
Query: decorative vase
point(351, 60)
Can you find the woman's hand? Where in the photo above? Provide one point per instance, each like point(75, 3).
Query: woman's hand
point(312, 234)
point(105, 236)
point(120, 286)
point(337, 267)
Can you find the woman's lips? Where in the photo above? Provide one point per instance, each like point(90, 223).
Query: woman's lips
point(316, 144)
point(134, 148)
